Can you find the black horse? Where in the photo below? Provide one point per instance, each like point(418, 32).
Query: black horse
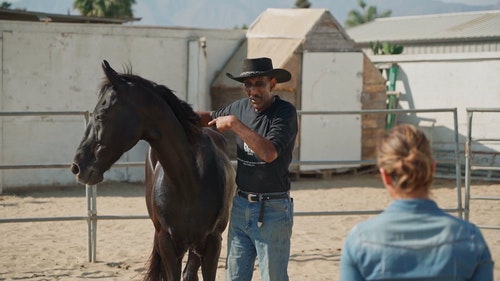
point(189, 178)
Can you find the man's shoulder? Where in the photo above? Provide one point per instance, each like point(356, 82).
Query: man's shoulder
point(284, 104)
point(285, 109)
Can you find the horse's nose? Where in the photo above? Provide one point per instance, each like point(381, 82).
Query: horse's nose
point(75, 169)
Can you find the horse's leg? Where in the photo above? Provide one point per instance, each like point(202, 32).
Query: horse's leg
point(210, 258)
point(191, 270)
point(155, 266)
point(172, 264)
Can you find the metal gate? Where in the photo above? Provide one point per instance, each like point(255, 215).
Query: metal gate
point(469, 167)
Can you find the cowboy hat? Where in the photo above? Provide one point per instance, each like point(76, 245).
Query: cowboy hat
point(261, 67)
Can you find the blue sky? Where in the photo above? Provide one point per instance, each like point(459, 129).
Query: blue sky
point(152, 12)
point(473, 2)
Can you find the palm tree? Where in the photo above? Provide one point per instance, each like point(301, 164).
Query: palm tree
point(304, 4)
point(105, 8)
point(368, 14)
point(5, 5)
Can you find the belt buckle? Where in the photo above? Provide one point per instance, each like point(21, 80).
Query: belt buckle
point(249, 197)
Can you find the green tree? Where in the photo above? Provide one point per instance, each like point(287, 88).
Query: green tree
point(367, 14)
point(386, 48)
point(105, 8)
point(5, 5)
point(243, 26)
point(304, 4)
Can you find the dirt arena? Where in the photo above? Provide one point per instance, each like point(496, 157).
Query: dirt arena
point(58, 250)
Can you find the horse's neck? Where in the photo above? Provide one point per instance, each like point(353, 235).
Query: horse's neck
point(176, 154)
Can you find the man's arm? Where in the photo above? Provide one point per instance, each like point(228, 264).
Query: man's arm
point(261, 146)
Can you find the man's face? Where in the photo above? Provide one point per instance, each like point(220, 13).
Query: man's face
point(258, 90)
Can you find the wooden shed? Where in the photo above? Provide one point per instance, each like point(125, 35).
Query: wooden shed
point(328, 74)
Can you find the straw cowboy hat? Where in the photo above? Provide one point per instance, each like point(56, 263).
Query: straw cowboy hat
point(261, 67)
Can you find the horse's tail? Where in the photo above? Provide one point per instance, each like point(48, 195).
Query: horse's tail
point(155, 268)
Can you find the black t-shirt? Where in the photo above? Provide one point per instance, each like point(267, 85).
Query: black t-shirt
point(278, 124)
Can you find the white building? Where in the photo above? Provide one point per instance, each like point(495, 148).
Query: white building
point(449, 61)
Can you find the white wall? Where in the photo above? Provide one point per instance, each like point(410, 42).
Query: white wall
point(57, 67)
point(462, 80)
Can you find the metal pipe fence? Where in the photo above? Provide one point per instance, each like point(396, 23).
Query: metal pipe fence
point(91, 190)
point(469, 167)
point(455, 160)
point(87, 218)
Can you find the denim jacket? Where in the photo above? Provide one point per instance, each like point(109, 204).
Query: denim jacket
point(415, 240)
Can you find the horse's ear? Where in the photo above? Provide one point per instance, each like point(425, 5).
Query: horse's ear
point(111, 74)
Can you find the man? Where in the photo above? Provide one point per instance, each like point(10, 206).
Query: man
point(262, 213)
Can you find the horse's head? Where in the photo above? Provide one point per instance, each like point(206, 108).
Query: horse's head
point(114, 128)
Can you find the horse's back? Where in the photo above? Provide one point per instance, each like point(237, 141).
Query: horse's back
point(219, 140)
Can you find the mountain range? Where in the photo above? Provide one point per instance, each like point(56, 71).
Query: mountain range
point(237, 13)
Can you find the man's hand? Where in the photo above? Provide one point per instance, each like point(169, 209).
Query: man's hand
point(224, 123)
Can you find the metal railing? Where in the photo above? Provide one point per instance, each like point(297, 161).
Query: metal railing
point(456, 160)
point(91, 190)
point(469, 167)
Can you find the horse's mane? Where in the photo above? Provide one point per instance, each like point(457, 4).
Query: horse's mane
point(184, 112)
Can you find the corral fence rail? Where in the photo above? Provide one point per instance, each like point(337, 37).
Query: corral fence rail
point(91, 190)
point(469, 166)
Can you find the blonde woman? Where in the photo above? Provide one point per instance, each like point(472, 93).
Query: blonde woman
point(413, 239)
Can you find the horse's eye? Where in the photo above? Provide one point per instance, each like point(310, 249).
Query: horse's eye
point(99, 117)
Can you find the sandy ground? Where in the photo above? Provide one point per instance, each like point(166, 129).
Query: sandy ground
point(58, 250)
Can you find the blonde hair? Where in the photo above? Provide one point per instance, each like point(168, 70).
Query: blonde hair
point(406, 156)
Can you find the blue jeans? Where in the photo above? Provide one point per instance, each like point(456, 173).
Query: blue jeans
point(270, 243)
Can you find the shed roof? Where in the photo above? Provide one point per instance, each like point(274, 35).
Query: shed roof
point(279, 33)
point(284, 23)
point(289, 29)
point(470, 26)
